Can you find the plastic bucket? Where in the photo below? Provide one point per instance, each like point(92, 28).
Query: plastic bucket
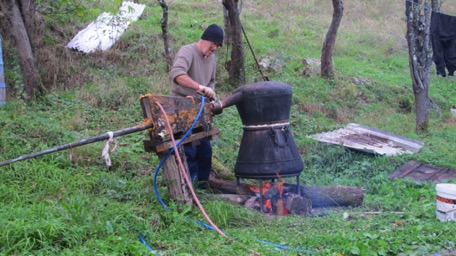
point(446, 202)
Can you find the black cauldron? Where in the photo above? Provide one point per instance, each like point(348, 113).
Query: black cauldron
point(267, 148)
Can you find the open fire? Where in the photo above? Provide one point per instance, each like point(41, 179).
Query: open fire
point(276, 198)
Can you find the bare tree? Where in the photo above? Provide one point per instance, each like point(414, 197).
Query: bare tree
point(236, 68)
point(327, 67)
point(418, 14)
point(20, 16)
point(226, 21)
point(165, 35)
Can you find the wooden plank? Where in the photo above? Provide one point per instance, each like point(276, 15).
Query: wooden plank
point(193, 137)
point(423, 172)
point(181, 113)
point(447, 175)
point(405, 169)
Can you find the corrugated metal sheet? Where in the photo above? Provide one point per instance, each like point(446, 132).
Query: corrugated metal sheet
point(102, 33)
point(423, 172)
point(369, 140)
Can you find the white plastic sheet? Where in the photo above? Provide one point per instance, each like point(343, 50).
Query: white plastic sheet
point(102, 33)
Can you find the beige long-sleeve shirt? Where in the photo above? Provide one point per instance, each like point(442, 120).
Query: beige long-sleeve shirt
point(190, 61)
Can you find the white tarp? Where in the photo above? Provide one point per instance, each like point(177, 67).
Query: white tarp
point(369, 140)
point(102, 33)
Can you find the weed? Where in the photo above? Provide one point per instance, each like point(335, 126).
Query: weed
point(70, 203)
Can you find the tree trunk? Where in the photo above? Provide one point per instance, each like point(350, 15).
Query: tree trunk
point(226, 21)
point(236, 68)
point(177, 187)
point(418, 14)
point(436, 4)
point(27, 9)
point(24, 47)
point(327, 67)
point(165, 35)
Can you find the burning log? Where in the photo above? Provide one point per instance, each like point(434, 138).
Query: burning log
point(327, 196)
point(320, 196)
point(284, 203)
point(296, 204)
point(280, 207)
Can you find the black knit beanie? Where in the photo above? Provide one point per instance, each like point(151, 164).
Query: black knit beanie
point(213, 33)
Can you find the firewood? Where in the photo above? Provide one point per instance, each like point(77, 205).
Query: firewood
point(320, 196)
point(296, 204)
point(280, 207)
point(232, 198)
point(328, 196)
point(228, 187)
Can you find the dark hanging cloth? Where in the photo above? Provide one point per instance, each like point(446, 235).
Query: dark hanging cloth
point(443, 34)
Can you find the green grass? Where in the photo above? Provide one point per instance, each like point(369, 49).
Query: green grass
point(70, 203)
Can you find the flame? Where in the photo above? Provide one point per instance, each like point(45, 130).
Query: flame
point(280, 187)
point(256, 189)
point(267, 205)
point(266, 186)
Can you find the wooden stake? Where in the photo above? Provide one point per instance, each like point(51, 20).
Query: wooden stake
point(177, 188)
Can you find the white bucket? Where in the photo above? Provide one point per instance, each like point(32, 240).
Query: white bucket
point(446, 202)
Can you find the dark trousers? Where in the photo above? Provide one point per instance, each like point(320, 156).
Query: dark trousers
point(199, 160)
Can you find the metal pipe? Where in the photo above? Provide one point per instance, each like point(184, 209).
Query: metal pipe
point(218, 106)
point(2, 78)
point(105, 136)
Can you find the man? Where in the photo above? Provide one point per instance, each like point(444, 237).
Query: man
point(192, 75)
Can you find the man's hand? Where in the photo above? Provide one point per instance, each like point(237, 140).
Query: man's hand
point(207, 92)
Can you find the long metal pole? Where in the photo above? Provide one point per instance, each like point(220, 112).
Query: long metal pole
point(105, 136)
point(2, 77)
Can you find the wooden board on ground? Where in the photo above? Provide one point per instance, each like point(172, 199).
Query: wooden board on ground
point(423, 172)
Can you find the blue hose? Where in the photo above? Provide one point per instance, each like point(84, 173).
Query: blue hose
point(172, 150)
point(145, 244)
point(283, 247)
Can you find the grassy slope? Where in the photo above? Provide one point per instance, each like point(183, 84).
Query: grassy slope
point(70, 203)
